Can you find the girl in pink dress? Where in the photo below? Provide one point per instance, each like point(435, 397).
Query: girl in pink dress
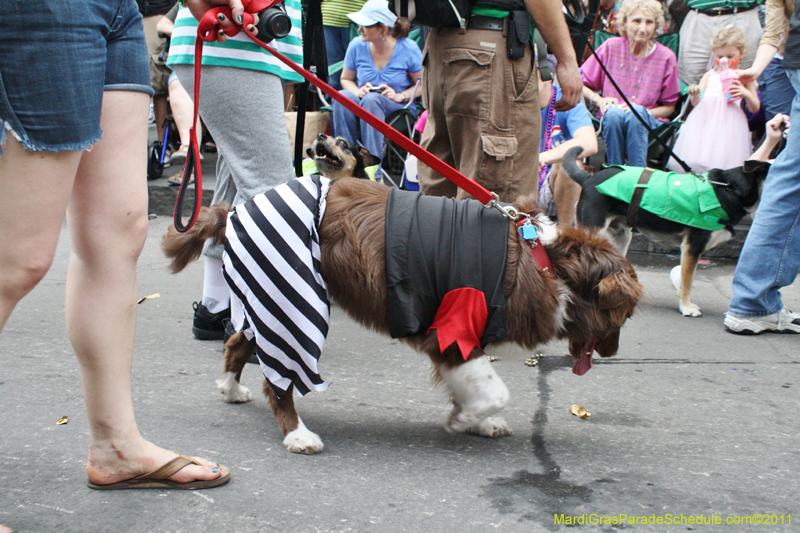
point(716, 135)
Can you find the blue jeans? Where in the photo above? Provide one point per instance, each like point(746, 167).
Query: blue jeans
point(625, 136)
point(336, 41)
point(775, 90)
point(770, 258)
point(346, 124)
point(83, 48)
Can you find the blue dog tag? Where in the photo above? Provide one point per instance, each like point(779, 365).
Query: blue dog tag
point(528, 231)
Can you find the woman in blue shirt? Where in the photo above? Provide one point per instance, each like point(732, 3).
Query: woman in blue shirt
point(380, 72)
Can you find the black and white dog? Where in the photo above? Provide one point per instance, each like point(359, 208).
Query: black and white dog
point(737, 190)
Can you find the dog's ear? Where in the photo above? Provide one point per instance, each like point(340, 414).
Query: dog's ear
point(759, 168)
point(619, 290)
point(528, 204)
point(369, 159)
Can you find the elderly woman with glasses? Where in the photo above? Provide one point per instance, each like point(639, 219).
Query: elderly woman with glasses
point(647, 73)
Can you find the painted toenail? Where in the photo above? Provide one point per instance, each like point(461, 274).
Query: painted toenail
point(214, 470)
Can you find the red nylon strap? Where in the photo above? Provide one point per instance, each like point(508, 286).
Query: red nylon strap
point(207, 30)
point(538, 253)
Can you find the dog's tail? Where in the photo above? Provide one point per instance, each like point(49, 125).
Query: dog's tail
point(571, 168)
point(185, 247)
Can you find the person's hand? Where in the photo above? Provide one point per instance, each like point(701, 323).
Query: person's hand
point(774, 129)
point(738, 90)
point(571, 85)
point(362, 92)
point(198, 8)
point(389, 93)
point(747, 75)
point(693, 90)
point(604, 103)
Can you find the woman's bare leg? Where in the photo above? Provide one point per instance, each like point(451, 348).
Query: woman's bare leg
point(34, 192)
point(107, 219)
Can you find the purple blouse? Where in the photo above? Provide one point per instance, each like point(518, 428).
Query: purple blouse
point(648, 81)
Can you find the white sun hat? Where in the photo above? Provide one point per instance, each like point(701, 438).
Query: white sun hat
point(373, 12)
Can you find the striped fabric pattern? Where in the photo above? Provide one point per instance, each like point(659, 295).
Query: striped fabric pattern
point(334, 12)
point(272, 264)
point(239, 51)
point(722, 4)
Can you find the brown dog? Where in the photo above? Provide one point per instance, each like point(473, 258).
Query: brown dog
point(593, 292)
point(336, 158)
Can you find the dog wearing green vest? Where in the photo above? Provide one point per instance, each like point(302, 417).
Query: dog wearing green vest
point(696, 213)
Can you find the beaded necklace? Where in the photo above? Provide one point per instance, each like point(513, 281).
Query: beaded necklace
point(547, 142)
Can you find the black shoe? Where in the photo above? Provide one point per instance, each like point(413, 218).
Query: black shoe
point(229, 331)
point(207, 325)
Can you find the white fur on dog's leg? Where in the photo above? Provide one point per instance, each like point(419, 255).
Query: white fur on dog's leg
point(478, 392)
point(492, 427)
point(301, 440)
point(234, 391)
point(689, 309)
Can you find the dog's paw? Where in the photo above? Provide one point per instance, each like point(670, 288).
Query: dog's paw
point(301, 440)
point(461, 421)
point(491, 427)
point(690, 309)
point(233, 391)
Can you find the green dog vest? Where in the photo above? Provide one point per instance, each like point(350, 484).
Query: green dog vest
point(680, 198)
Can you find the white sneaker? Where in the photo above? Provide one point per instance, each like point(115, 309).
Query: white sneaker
point(784, 321)
point(152, 119)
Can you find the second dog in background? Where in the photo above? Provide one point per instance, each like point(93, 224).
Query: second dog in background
point(736, 192)
point(337, 158)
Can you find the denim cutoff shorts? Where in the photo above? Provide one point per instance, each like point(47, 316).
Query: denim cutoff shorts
point(56, 59)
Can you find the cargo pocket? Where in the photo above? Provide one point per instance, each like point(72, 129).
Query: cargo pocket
point(497, 164)
point(501, 148)
point(467, 82)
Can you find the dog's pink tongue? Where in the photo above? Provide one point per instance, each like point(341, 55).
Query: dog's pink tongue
point(584, 364)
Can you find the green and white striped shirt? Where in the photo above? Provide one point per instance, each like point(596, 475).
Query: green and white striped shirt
point(334, 12)
point(722, 4)
point(239, 51)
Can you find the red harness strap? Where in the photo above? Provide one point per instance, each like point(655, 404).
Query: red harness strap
point(207, 31)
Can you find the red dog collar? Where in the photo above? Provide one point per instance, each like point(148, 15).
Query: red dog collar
point(527, 232)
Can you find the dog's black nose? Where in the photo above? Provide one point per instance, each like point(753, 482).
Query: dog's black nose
point(321, 137)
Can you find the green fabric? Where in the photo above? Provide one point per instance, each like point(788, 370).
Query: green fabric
point(722, 4)
point(309, 168)
point(499, 14)
point(680, 198)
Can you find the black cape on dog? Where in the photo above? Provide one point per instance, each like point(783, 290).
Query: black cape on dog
point(436, 246)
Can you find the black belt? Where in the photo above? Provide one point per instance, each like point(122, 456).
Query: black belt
point(479, 22)
point(717, 11)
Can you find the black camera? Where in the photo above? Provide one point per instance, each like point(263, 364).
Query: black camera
point(273, 23)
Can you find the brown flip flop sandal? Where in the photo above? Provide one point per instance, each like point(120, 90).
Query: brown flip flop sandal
point(157, 479)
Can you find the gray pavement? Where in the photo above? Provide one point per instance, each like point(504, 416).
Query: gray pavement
point(686, 420)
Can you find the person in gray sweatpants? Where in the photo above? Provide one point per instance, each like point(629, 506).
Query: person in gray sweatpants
point(254, 156)
point(241, 104)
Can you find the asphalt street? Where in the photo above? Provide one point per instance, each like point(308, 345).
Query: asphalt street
point(687, 420)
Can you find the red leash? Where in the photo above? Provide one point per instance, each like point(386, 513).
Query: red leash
point(207, 30)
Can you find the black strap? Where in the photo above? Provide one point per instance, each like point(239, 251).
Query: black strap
point(313, 52)
point(636, 199)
